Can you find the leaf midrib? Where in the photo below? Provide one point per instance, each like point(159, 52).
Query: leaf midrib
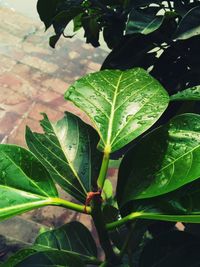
point(111, 118)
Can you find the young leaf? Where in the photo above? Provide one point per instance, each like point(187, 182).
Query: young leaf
point(164, 160)
point(121, 104)
point(71, 238)
point(192, 93)
point(24, 182)
point(68, 151)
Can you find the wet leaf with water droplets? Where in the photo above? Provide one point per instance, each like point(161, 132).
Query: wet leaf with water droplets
point(147, 171)
point(24, 182)
point(121, 104)
point(68, 151)
point(192, 93)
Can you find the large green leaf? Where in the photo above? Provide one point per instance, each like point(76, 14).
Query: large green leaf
point(24, 182)
point(179, 205)
point(68, 151)
point(121, 104)
point(72, 238)
point(189, 25)
point(187, 94)
point(164, 160)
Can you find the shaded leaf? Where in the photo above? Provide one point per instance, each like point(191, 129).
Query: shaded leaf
point(68, 151)
point(187, 94)
point(171, 249)
point(18, 257)
point(189, 25)
point(51, 258)
point(71, 238)
point(143, 22)
point(164, 160)
point(121, 104)
point(24, 182)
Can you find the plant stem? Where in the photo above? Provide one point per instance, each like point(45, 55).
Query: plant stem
point(127, 240)
point(130, 217)
point(99, 223)
point(70, 205)
point(103, 171)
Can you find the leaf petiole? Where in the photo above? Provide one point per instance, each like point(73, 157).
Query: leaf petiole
point(70, 205)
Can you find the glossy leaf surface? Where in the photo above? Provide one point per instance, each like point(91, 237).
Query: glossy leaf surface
point(145, 23)
point(72, 238)
point(121, 104)
point(24, 182)
point(164, 160)
point(68, 151)
point(187, 94)
point(180, 205)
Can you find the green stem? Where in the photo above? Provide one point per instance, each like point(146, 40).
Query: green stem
point(116, 224)
point(104, 264)
point(99, 223)
point(103, 171)
point(69, 205)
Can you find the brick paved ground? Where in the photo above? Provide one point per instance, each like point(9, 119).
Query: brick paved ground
point(33, 78)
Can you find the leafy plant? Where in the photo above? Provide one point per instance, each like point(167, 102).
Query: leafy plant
point(158, 176)
point(162, 37)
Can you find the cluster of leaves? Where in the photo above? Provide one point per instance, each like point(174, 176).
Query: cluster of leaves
point(161, 36)
point(158, 177)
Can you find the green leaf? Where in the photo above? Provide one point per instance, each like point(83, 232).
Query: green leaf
point(121, 104)
point(72, 238)
point(47, 14)
point(180, 205)
point(107, 192)
point(144, 22)
point(189, 25)
point(51, 258)
point(192, 93)
point(68, 151)
point(164, 160)
point(24, 182)
point(175, 248)
point(18, 257)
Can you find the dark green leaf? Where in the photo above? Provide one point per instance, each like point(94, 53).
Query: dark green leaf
point(51, 258)
point(68, 151)
point(189, 25)
point(164, 160)
point(121, 104)
point(18, 257)
point(143, 22)
point(171, 249)
point(24, 182)
point(91, 28)
point(72, 238)
point(47, 10)
point(187, 94)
